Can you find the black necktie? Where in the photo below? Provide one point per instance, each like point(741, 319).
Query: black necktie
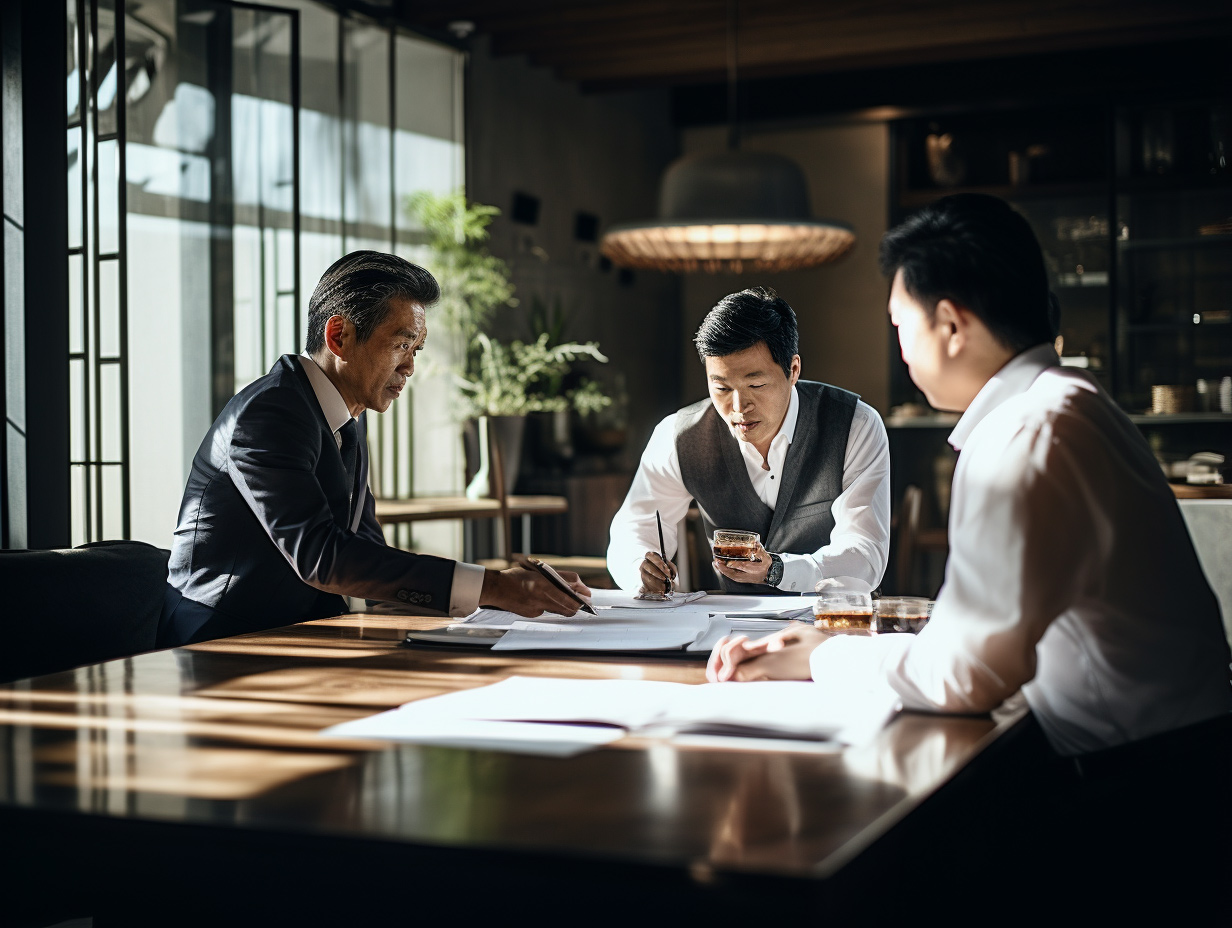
point(349, 448)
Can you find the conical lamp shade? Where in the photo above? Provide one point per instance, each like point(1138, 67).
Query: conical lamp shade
point(733, 211)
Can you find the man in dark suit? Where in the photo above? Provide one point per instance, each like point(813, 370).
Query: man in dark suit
point(277, 523)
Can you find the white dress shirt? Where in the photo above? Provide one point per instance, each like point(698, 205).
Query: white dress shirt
point(467, 578)
point(1070, 575)
point(861, 536)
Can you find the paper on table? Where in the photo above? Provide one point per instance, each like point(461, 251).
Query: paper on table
point(627, 703)
point(406, 724)
point(651, 618)
point(778, 605)
point(626, 599)
point(721, 626)
point(779, 708)
point(603, 636)
point(804, 710)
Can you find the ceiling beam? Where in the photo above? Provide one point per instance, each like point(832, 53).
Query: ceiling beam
point(965, 30)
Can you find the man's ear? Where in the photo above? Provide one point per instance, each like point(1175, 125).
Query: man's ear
point(795, 369)
point(951, 323)
point(338, 335)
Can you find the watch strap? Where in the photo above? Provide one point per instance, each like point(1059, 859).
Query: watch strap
point(774, 575)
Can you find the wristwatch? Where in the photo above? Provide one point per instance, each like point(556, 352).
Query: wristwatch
point(775, 574)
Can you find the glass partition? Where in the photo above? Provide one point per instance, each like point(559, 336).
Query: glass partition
point(217, 165)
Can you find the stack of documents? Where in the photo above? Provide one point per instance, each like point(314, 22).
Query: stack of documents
point(556, 716)
point(693, 622)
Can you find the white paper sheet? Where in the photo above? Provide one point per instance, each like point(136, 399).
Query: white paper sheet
point(721, 626)
point(552, 740)
point(807, 711)
point(627, 599)
point(652, 618)
point(602, 636)
point(627, 703)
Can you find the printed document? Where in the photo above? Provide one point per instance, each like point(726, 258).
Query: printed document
point(779, 709)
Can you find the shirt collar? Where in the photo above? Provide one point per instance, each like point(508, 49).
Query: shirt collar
point(1015, 377)
point(785, 435)
point(787, 431)
point(332, 404)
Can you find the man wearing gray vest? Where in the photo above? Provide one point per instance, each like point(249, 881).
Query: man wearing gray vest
point(804, 464)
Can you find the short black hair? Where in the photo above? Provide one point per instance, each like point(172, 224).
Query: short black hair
point(741, 320)
point(975, 250)
point(359, 288)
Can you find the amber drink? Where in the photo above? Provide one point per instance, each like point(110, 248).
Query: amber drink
point(842, 610)
point(735, 545)
point(900, 614)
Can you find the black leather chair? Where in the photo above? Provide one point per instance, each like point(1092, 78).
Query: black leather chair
point(67, 607)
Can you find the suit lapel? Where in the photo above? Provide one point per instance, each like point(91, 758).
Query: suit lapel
point(327, 438)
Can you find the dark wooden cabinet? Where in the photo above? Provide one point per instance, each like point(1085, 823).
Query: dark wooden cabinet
point(1131, 201)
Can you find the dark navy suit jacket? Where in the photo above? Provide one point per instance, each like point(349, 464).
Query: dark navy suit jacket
point(264, 537)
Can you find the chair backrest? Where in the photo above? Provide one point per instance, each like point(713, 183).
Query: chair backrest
point(906, 537)
point(67, 607)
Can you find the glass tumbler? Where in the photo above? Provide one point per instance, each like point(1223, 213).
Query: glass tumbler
point(842, 609)
point(900, 614)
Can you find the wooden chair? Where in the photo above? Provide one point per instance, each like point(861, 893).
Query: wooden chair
point(914, 542)
point(592, 570)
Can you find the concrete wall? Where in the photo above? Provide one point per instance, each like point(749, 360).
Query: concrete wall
point(599, 153)
point(841, 307)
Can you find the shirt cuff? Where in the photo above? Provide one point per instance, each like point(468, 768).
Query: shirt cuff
point(800, 573)
point(467, 586)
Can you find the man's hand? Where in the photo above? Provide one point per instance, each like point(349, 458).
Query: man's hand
point(529, 593)
point(657, 574)
point(781, 656)
point(746, 571)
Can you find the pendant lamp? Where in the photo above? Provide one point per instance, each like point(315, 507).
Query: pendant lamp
point(731, 211)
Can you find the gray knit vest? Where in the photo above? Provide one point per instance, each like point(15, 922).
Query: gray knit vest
point(714, 474)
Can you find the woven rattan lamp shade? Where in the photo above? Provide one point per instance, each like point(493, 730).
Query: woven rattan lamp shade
point(733, 211)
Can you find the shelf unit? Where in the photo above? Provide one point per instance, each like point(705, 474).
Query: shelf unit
point(1133, 210)
point(1119, 193)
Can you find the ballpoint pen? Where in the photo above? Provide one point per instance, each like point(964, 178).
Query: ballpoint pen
point(667, 584)
point(559, 582)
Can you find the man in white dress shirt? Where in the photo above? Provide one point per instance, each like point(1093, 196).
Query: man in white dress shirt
point(805, 465)
point(1071, 575)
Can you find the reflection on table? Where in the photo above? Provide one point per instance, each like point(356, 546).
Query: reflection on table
point(223, 736)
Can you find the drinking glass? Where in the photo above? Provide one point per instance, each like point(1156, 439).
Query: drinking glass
point(735, 545)
point(900, 614)
point(842, 609)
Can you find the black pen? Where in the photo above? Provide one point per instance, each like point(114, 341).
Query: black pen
point(559, 582)
point(667, 584)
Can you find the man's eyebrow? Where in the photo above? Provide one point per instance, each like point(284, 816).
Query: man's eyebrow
point(407, 333)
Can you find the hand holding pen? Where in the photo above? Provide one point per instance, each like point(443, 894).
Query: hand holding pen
point(657, 572)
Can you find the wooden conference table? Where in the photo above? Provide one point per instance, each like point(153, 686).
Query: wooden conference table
point(190, 786)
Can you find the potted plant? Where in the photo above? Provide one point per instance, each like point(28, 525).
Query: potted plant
point(499, 383)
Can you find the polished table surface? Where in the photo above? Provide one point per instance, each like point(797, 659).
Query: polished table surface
point(224, 734)
point(429, 508)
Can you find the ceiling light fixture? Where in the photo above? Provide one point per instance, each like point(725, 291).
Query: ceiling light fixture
point(731, 211)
